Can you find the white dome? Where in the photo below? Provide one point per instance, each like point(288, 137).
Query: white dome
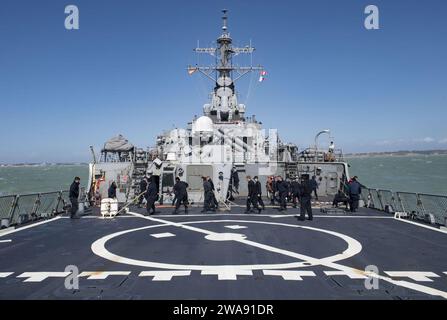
point(203, 124)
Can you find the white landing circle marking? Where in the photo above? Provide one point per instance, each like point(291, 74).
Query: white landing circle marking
point(354, 247)
point(225, 237)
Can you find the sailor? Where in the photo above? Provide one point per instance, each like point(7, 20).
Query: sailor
point(289, 189)
point(330, 156)
point(181, 194)
point(295, 191)
point(235, 179)
point(74, 195)
point(305, 198)
point(331, 147)
point(213, 195)
point(143, 187)
point(258, 189)
point(314, 185)
point(355, 189)
point(275, 191)
point(252, 197)
point(207, 196)
point(340, 197)
point(151, 197)
point(283, 190)
point(111, 193)
point(269, 189)
point(97, 198)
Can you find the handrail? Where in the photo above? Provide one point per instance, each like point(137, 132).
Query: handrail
point(416, 205)
point(318, 155)
point(20, 208)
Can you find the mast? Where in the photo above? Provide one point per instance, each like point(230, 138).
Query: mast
point(224, 106)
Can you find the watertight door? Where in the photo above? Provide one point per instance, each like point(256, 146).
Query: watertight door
point(195, 174)
point(332, 183)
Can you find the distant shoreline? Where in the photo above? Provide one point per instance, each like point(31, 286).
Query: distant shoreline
point(401, 153)
point(43, 164)
point(404, 153)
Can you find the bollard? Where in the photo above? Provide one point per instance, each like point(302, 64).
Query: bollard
point(4, 223)
point(80, 211)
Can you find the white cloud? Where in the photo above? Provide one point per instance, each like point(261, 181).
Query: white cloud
point(389, 142)
point(408, 142)
point(425, 140)
point(383, 143)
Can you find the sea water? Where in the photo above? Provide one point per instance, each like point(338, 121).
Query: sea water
point(415, 173)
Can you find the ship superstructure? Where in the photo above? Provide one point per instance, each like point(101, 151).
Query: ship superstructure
point(222, 141)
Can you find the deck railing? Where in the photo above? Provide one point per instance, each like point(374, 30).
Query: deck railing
point(18, 209)
point(417, 205)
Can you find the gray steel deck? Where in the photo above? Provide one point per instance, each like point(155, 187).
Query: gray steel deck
point(224, 256)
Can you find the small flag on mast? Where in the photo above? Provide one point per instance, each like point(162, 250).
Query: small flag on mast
point(191, 70)
point(262, 75)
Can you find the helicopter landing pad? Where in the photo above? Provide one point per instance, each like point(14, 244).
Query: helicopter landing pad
point(224, 255)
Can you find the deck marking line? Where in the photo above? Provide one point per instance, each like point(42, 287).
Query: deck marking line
point(227, 274)
point(225, 237)
point(313, 261)
point(101, 275)
point(98, 247)
point(100, 218)
point(420, 225)
point(290, 274)
point(330, 216)
point(4, 241)
point(422, 276)
point(40, 276)
point(30, 226)
point(5, 274)
point(164, 275)
point(5, 230)
point(236, 227)
point(264, 215)
point(162, 235)
point(352, 275)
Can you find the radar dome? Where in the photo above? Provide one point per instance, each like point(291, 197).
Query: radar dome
point(203, 124)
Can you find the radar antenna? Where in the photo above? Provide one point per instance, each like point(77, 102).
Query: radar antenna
point(224, 52)
point(224, 106)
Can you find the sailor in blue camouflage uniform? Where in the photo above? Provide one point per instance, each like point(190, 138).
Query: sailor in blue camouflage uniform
point(305, 198)
point(208, 204)
point(181, 195)
point(151, 197)
point(74, 195)
point(355, 189)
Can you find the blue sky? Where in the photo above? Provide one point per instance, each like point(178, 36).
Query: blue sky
point(124, 72)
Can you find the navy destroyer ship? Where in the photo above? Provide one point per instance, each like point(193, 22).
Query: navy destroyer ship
point(393, 247)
